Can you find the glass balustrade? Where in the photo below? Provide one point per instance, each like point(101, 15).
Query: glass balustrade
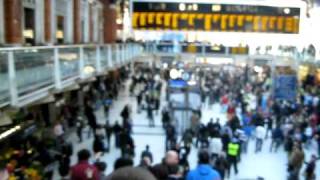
point(34, 69)
point(89, 58)
point(114, 55)
point(69, 62)
point(4, 78)
point(104, 56)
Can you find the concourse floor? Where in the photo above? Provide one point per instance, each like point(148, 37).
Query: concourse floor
point(270, 166)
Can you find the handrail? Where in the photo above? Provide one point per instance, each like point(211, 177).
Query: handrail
point(57, 46)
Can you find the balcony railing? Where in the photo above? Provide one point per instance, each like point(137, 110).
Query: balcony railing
point(27, 73)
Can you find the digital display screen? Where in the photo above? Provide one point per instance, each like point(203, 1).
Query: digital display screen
point(214, 17)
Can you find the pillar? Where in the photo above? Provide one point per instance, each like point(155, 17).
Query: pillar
point(13, 21)
point(110, 25)
point(48, 21)
point(1, 23)
point(77, 22)
point(91, 25)
point(69, 21)
point(86, 22)
point(96, 24)
point(39, 28)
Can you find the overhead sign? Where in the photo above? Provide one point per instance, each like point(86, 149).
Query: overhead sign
point(285, 87)
point(214, 17)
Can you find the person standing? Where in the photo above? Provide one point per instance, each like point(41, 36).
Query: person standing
point(260, 134)
point(91, 117)
point(277, 138)
point(147, 153)
point(203, 171)
point(83, 170)
point(232, 155)
point(150, 115)
point(215, 147)
point(311, 166)
point(295, 162)
point(221, 164)
point(108, 130)
point(139, 100)
point(117, 130)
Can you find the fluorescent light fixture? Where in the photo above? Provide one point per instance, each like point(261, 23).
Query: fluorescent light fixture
point(9, 132)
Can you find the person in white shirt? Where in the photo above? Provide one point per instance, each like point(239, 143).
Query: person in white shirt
point(215, 146)
point(260, 134)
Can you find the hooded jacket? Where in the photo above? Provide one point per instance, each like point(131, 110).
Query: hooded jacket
point(203, 172)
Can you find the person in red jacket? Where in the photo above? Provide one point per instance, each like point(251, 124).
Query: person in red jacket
point(83, 170)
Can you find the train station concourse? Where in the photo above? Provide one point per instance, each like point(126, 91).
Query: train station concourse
point(159, 90)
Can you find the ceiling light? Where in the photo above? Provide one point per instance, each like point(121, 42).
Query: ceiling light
point(216, 8)
point(182, 7)
point(195, 7)
point(286, 10)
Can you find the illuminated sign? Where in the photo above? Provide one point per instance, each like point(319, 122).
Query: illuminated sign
point(214, 17)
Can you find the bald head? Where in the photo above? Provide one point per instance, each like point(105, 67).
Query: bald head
point(172, 158)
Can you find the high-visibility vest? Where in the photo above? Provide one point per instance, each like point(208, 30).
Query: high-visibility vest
point(233, 149)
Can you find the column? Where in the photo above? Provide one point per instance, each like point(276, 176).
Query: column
point(48, 21)
point(77, 22)
point(53, 21)
point(69, 23)
point(13, 21)
point(96, 22)
point(110, 25)
point(1, 23)
point(86, 22)
point(39, 27)
point(91, 25)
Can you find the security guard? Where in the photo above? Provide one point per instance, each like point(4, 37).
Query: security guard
point(233, 152)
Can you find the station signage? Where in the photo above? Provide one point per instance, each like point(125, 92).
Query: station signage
point(214, 17)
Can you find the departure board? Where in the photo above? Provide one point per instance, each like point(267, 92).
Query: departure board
point(214, 17)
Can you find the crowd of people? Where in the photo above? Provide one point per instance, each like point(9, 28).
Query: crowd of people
point(252, 116)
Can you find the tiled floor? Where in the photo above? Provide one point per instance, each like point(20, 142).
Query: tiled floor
point(271, 166)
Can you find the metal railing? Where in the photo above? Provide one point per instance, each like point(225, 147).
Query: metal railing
point(26, 72)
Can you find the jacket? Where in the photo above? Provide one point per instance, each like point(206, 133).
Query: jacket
point(203, 172)
point(84, 171)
